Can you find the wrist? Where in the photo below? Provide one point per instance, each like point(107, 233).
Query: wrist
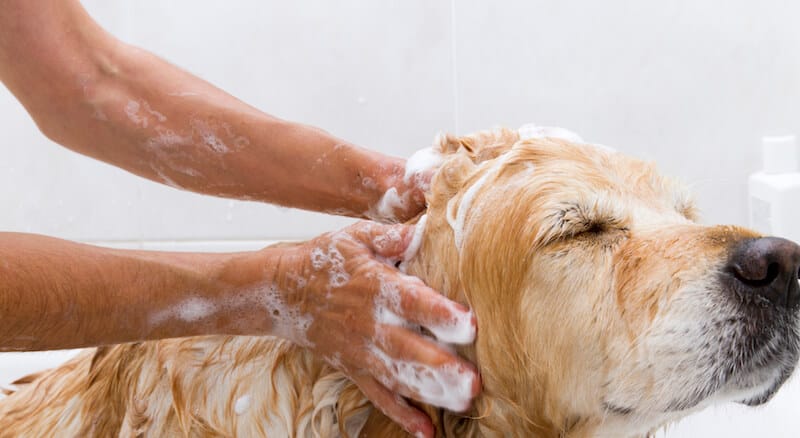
point(398, 197)
point(255, 289)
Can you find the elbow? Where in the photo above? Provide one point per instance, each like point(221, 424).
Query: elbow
point(69, 117)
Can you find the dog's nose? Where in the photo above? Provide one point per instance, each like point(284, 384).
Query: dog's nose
point(768, 267)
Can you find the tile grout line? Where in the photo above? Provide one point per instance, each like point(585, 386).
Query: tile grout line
point(454, 63)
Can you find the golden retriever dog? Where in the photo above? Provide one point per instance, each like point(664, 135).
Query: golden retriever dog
point(604, 309)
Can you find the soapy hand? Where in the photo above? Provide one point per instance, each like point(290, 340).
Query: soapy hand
point(363, 317)
point(404, 197)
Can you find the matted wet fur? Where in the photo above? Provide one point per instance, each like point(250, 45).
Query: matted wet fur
point(599, 304)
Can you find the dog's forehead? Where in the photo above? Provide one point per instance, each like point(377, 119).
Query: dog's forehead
point(597, 171)
point(565, 188)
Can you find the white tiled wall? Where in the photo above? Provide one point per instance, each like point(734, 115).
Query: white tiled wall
point(690, 84)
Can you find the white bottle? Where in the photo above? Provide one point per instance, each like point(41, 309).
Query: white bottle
point(775, 191)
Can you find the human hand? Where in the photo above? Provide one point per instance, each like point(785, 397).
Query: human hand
point(345, 301)
point(405, 186)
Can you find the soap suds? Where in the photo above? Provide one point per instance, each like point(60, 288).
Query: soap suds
point(333, 260)
point(457, 223)
point(167, 137)
point(386, 207)
point(194, 309)
point(459, 329)
point(416, 242)
point(287, 321)
point(416, 239)
point(419, 163)
point(208, 136)
point(132, 110)
point(183, 94)
point(388, 299)
point(189, 310)
point(241, 405)
point(530, 130)
point(447, 386)
point(417, 166)
point(383, 241)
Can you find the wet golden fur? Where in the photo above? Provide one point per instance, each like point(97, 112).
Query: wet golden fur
point(569, 256)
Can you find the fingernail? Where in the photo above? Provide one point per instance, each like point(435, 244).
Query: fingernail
point(461, 328)
point(422, 429)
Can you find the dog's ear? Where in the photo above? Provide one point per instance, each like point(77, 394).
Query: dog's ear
point(478, 147)
point(462, 154)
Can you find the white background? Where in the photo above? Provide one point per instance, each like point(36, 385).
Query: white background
point(692, 85)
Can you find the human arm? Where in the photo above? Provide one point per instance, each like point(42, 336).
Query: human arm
point(337, 295)
point(114, 102)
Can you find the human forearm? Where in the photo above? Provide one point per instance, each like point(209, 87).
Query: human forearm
point(114, 102)
point(58, 294)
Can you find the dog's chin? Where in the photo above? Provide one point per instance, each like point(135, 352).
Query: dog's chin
point(765, 377)
point(762, 398)
point(752, 371)
point(764, 392)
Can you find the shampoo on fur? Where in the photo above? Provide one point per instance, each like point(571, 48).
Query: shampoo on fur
point(774, 192)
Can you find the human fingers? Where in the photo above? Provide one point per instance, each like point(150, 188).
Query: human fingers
point(411, 419)
point(410, 299)
point(420, 369)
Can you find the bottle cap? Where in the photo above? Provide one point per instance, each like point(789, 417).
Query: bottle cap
point(779, 154)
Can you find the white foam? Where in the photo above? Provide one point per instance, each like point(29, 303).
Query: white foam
point(132, 111)
point(189, 310)
point(457, 222)
point(287, 321)
point(208, 136)
point(446, 386)
point(386, 207)
point(194, 309)
point(531, 130)
point(214, 142)
point(420, 162)
point(168, 137)
point(416, 239)
point(388, 299)
point(333, 260)
point(385, 316)
point(416, 242)
point(183, 94)
point(384, 241)
point(458, 330)
point(241, 405)
point(318, 258)
point(154, 113)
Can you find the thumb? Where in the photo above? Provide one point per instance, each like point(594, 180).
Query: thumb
point(396, 242)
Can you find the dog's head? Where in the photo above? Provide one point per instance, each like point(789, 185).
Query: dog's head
point(602, 305)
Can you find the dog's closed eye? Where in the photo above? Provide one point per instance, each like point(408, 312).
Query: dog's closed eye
point(581, 219)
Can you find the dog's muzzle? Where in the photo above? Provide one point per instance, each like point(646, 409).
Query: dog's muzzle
point(761, 277)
